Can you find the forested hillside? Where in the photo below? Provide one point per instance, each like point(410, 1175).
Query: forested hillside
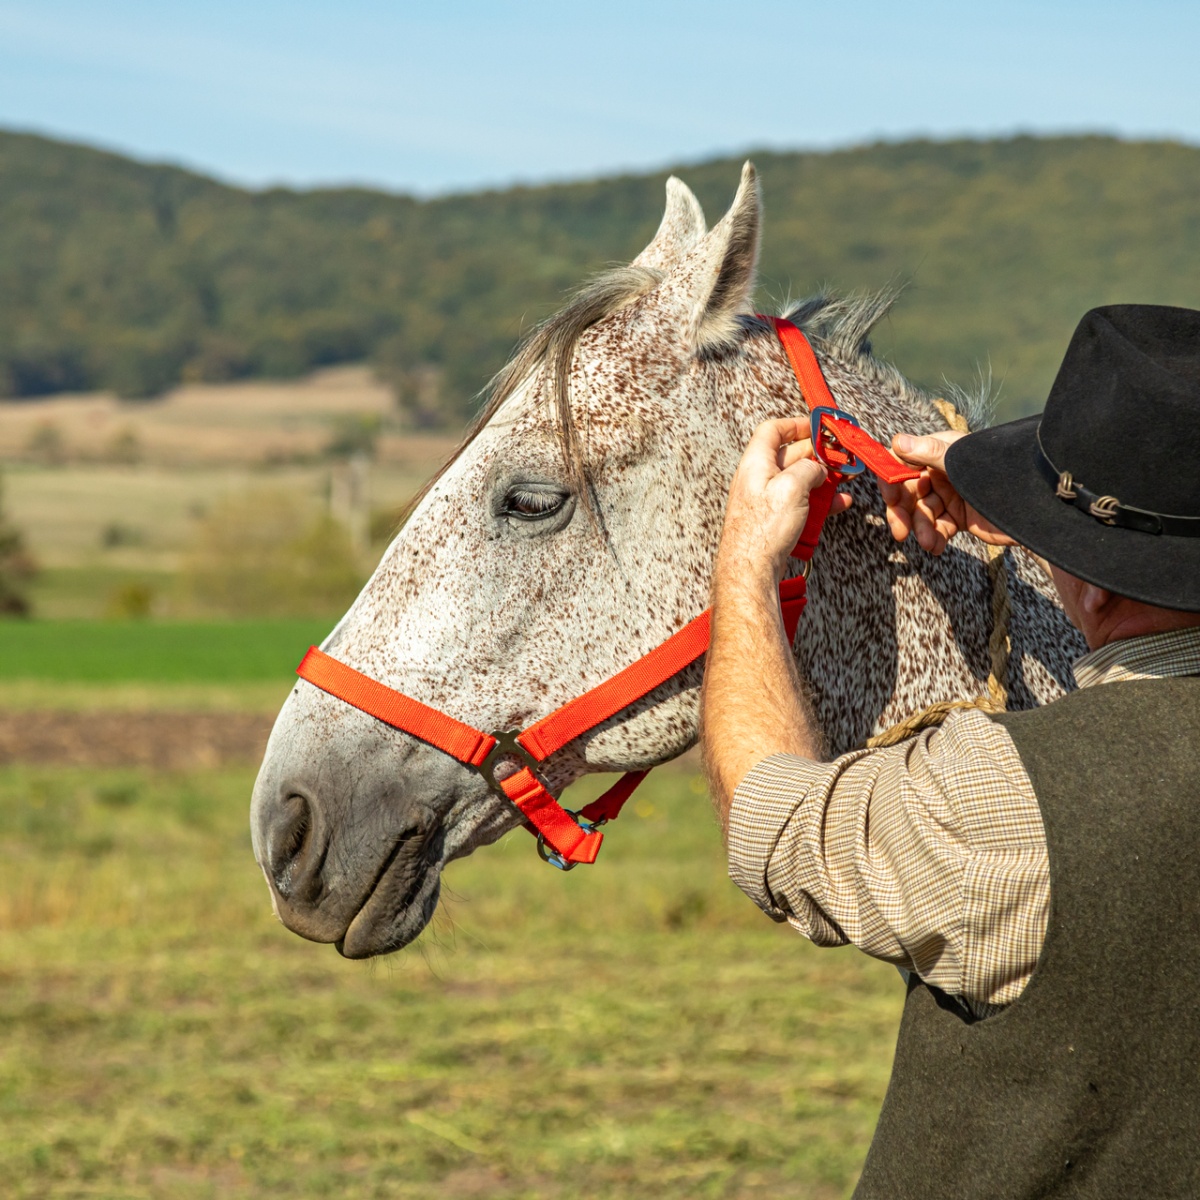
point(119, 274)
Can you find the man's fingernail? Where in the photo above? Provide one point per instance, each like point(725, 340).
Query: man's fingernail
point(904, 443)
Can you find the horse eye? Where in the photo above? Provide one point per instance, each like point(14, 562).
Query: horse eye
point(528, 505)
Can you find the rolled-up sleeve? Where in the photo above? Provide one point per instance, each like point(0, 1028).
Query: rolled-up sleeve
point(929, 854)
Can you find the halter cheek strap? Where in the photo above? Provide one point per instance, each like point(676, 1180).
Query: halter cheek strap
point(566, 838)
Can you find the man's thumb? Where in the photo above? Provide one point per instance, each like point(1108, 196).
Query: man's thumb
point(920, 451)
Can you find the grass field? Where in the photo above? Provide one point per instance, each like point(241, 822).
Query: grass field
point(634, 1029)
point(229, 426)
point(186, 652)
point(149, 513)
point(140, 666)
point(93, 530)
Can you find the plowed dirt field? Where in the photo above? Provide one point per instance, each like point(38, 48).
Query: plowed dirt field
point(163, 740)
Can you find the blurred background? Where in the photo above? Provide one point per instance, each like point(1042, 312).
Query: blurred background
point(256, 264)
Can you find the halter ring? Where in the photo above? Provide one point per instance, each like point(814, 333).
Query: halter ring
point(507, 746)
point(558, 860)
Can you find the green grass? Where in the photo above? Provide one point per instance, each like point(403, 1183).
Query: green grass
point(175, 652)
point(632, 1029)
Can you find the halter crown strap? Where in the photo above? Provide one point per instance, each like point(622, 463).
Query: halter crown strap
point(575, 837)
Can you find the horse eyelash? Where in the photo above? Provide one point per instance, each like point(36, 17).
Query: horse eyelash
point(532, 505)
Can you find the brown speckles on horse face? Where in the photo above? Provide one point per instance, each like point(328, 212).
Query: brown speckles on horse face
point(497, 621)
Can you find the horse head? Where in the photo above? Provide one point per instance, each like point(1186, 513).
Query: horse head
point(575, 530)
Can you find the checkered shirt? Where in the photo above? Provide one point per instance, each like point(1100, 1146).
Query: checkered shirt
point(929, 854)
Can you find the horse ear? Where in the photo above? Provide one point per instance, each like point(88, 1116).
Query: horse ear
point(710, 287)
point(682, 227)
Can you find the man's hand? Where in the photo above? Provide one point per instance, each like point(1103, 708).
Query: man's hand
point(929, 506)
point(752, 703)
point(768, 499)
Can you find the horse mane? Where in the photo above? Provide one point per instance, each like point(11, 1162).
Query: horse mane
point(840, 325)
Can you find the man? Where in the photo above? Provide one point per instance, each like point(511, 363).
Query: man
point(1036, 875)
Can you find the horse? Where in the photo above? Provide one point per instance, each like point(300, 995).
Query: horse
point(574, 530)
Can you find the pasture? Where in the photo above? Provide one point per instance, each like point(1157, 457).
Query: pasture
point(632, 1030)
point(196, 652)
point(109, 494)
point(134, 667)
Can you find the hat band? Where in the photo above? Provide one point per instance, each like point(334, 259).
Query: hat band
point(1108, 509)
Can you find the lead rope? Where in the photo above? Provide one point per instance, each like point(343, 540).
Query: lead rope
point(999, 643)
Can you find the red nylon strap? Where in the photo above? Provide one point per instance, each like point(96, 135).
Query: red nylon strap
point(793, 593)
point(395, 708)
point(804, 364)
point(880, 461)
point(577, 716)
point(820, 500)
point(608, 807)
point(471, 746)
point(558, 828)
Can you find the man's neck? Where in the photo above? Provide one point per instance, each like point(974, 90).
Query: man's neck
point(1130, 619)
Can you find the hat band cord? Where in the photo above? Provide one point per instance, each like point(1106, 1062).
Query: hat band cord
point(1108, 509)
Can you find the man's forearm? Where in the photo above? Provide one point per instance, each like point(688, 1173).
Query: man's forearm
point(753, 704)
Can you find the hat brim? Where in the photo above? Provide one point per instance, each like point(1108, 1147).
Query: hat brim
point(996, 472)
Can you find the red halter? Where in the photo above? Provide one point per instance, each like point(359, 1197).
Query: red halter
point(566, 838)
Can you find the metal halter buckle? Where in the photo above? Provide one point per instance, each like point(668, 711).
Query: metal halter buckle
point(552, 856)
point(854, 466)
point(506, 746)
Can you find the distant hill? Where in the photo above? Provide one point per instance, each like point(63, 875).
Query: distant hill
point(115, 273)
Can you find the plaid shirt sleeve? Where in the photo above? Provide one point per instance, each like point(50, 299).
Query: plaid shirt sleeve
point(930, 855)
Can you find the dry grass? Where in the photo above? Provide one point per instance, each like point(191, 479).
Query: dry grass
point(110, 496)
point(69, 514)
point(247, 424)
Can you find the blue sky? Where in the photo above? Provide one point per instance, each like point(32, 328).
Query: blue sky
point(449, 94)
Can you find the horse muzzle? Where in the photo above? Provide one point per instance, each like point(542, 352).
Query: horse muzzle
point(368, 898)
point(348, 823)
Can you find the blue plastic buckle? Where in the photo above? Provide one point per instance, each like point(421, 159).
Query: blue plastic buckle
point(552, 856)
point(854, 466)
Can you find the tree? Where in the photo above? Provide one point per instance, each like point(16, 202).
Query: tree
point(17, 568)
point(265, 554)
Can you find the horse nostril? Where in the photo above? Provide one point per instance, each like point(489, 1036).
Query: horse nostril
point(293, 857)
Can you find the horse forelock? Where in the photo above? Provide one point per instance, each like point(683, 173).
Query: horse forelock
point(551, 347)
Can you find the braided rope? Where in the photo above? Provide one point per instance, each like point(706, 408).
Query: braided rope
point(999, 642)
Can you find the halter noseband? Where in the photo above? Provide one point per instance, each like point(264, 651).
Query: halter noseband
point(566, 838)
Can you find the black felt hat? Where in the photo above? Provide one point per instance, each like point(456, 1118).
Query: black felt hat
point(1106, 482)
